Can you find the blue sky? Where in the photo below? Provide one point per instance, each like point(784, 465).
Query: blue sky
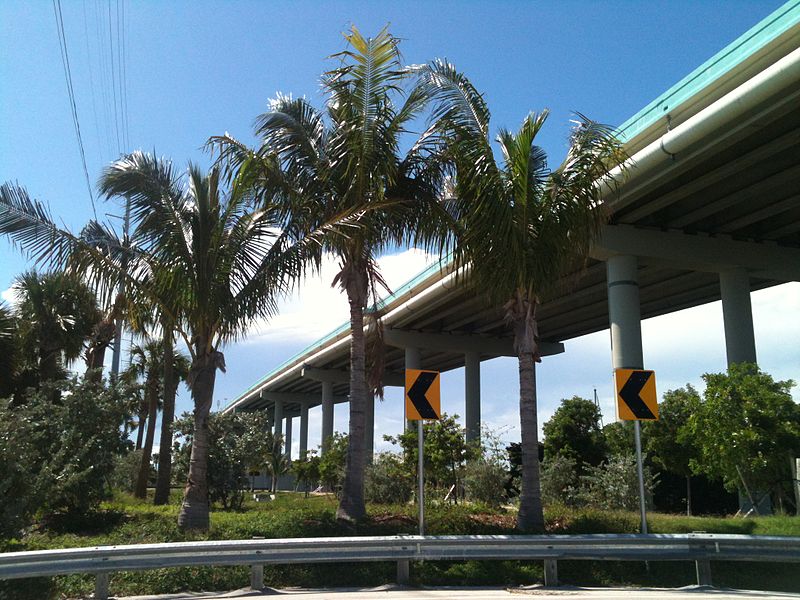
point(196, 69)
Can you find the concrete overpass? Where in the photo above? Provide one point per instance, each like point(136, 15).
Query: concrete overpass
point(710, 210)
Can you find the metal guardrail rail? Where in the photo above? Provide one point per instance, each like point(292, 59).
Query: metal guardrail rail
point(699, 547)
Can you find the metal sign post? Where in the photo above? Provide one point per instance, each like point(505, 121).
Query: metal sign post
point(637, 428)
point(420, 469)
point(637, 401)
point(422, 402)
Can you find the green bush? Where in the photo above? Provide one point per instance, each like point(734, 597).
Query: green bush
point(58, 450)
point(615, 484)
point(560, 482)
point(484, 481)
point(387, 480)
point(126, 470)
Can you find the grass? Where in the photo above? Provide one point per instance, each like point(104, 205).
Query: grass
point(126, 520)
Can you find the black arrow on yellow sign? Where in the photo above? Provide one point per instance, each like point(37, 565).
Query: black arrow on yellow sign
point(630, 394)
point(417, 394)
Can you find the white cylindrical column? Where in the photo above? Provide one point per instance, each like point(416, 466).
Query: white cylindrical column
point(737, 315)
point(288, 439)
point(413, 361)
point(327, 413)
point(303, 429)
point(472, 396)
point(624, 313)
point(278, 418)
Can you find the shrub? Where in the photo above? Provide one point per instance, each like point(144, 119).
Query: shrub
point(560, 482)
point(484, 481)
point(58, 449)
point(387, 480)
point(615, 484)
point(126, 470)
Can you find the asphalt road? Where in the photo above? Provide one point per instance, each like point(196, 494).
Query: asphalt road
point(518, 593)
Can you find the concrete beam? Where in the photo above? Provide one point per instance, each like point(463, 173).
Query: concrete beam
point(340, 376)
point(299, 398)
point(698, 252)
point(483, 345)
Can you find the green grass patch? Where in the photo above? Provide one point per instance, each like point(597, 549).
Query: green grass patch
point(126, 520)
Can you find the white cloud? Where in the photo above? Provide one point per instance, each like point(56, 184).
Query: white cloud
point(316, 308)
point(8, 296)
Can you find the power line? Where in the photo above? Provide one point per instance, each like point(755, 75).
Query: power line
point(113, 77)
point(62, 39)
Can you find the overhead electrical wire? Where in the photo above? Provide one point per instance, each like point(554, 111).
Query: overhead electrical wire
point(62, 39)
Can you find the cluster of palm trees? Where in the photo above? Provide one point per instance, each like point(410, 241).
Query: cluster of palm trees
point(210, 252)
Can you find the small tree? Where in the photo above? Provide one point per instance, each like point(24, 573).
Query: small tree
point(332, 462)
point(619, 438)
point(615, 484)
point(445, 452)
point(237, 440)
point(574, 432)
point(306, 470)
point(388, 480)
point(744, 429)
point(669, 443)
point(560, 481)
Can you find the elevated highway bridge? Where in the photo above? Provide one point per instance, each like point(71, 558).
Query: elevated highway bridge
point(710, 210)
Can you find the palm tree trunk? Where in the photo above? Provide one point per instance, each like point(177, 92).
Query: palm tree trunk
point(144, 467)
point(521, 311)
point(351, 507)
point(141, 426)
point(531, 515)
point(194, 508)
point(167, 416)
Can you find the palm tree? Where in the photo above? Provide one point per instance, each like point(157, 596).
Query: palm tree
point(56, 314)
point(522, 225)
point(222, 262)
point(147, 361)
point(348, 159)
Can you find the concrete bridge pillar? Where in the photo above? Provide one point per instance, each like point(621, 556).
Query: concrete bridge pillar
point(737, 315)
point(303, 429)
point(624, 312)
point(327, 413)
point(472, 396)
point(278, 418)
point(288, 438)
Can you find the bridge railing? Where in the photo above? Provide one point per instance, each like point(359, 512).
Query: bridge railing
point(702, 548)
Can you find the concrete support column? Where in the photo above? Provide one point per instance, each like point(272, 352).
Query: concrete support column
point(278, 418)
point(624, 312)
point(369, 428)
point(413, 361)
point(327, 413)
point(472, 396)
point(737, 315)
point(303, 429)
point(288, 438)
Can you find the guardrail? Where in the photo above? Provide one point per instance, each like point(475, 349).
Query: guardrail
point(699, 547)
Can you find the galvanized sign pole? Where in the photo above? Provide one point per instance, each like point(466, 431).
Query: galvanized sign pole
point(637, 428)
point(421, 491)
point(637, 401)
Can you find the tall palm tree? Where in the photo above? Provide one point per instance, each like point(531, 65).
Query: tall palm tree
point(522, 225)
point(344, 159)
point(222, 262)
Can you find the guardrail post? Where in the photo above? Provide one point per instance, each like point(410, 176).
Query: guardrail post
point(550, 572)
point(403, 575)
point(703, 572)
point(101, 586)
point(256, 577)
